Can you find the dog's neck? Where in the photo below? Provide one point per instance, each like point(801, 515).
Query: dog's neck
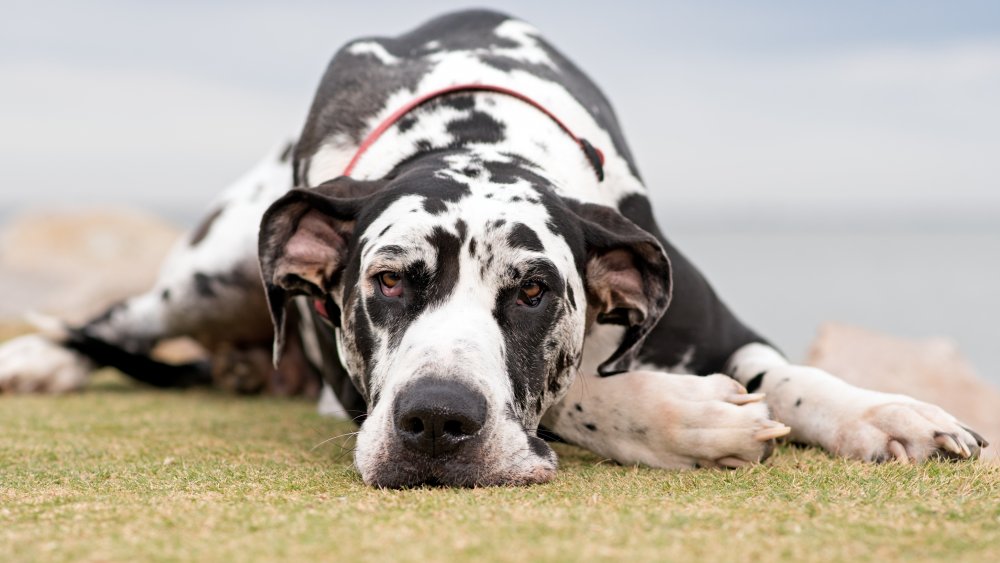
point(499, 130)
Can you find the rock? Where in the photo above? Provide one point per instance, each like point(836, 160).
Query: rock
point(74, 264)
point(931, 370)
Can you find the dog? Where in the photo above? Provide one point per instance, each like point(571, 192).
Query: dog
point(460, 245)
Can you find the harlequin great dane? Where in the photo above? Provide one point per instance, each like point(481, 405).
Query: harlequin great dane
point(460, 243)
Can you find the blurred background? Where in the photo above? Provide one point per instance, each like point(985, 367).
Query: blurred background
point(819, 161)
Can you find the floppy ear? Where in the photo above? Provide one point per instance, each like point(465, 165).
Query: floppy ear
point(627, 277)
point(304, 242)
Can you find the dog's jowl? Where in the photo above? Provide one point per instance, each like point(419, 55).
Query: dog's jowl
point(460, 243)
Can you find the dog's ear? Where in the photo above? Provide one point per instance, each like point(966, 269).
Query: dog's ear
point(304, 242)
point(627, 277)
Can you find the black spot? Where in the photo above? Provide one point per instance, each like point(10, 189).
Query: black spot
point(203, 285)
point(498, 223)
point(165, 295)
point(477, 127)
point(590, 426)
point(459, 101)
point(517, 169)
point(539, 447)
point(434, 206)
point(515, 199)
point(754, 383)
point(385, 230)
point(462, 230)
point(406, 123)
point(424, 145)
point(471, 172)
point(798, 402)
point(446, 268)
point(472, 246)
point(201, 231)
point(522, 236)
point(570, 297)
point(578, 407)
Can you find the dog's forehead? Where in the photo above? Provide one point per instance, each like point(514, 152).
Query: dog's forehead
point(486, 207)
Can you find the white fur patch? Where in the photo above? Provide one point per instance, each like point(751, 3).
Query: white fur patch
point(375, 49)
point(35, 364)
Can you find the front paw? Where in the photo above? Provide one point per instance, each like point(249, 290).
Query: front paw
point(35, 364)
point(907, 431)
point(719, 426)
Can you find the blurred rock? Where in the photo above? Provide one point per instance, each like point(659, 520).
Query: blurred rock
point(74, 264)
point(930, 370)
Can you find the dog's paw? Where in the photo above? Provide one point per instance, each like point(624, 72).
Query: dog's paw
point(730, 430)
point(907, 431)
point(702, 421)
point(36, 364)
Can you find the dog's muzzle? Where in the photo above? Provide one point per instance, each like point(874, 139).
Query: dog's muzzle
point(436, 418)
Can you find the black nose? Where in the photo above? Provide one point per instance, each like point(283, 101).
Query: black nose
point(436, 417)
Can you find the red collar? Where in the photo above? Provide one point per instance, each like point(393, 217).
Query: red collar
point(593, 154)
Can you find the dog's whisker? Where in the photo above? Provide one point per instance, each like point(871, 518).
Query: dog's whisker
point(348, 434)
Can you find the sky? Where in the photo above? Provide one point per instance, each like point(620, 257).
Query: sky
point(733, 105)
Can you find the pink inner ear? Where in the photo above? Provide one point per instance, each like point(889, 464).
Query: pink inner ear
point(313, 251)
point(616, 282)
point(622, 275)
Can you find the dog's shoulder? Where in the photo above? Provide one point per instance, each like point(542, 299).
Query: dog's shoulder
point(370, 76)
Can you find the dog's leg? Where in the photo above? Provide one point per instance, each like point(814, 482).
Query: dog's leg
point(850, 421)
point(208, 289)
point(666, 420)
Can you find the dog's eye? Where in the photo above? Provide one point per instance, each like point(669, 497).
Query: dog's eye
point(531, 293)
point(391, 284)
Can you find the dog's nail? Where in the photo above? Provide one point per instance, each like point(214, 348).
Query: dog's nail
point(733, 462)
point(979, 439)
point(771, 433)
point(745, 398)
point(898, 451)
point(965, 447)
point(948, 442)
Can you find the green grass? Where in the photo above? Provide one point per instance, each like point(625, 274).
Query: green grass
point(121, 472)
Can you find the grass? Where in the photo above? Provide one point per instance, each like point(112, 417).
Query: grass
point(120, 472)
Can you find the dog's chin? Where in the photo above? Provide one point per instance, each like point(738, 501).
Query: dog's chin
point(398, 468)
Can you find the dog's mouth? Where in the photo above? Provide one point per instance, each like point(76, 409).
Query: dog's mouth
point(502, 460)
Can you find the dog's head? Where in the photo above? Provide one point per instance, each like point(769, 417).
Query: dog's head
point(463, 289)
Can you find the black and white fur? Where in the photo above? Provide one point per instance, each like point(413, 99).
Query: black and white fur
point(467, 198)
